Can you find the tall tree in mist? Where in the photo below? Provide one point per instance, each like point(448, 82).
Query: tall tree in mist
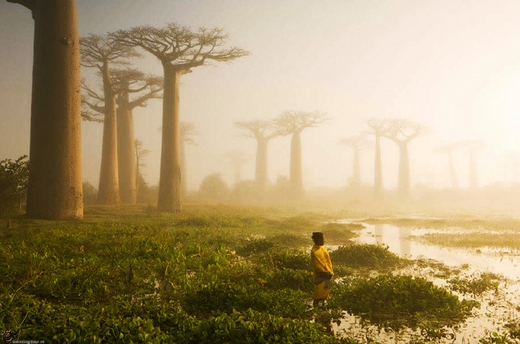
point(474, 147)
point(448, 149)
point(402, 132)
point(101, 52)
point(142, 87)
point(179, 49)
point(379, 128)
point(140, 154)
point(357, 143)
point(293, 123)
point(262, 131)
point(187, 131)
point(55, 188)
point(237, 159)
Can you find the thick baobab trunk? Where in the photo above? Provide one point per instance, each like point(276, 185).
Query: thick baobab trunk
point(55, 187)
point(170, 174)
point(472, 170)
point(295, 175)
point(184, 182)
point(261, 164)
point(356, 173)
point(126, 151)
point(108, 177)
point(453, 174)
point(403, 183)
point(378, 170)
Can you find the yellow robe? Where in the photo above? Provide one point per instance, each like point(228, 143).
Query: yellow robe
point(322, 264)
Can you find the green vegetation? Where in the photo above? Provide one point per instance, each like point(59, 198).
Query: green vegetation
point(14, 177)
point(403, 301)
point(475, 286)
point(211, 274)
point(366, 256)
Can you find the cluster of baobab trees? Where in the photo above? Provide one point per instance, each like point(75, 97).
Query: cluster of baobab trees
point(179, 49)
point(288, 123)
point(400, 131)
point(55, 183)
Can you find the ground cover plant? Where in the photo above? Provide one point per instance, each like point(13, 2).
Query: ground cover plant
point(147, 277)
point(208, 275)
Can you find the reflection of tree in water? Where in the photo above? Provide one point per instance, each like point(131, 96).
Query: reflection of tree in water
point(379, 229)
point(404, 241)
point(405, 245)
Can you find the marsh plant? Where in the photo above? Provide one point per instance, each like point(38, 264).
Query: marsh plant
point(207, 275)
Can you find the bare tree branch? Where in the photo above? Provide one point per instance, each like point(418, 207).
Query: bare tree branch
point(98, 51)
point(134, 81)
point(26, 3)
point(258, 129)
point(91, 93)
point(403, 130)
point(179, 46)
point(290, 122)
point(356, 142)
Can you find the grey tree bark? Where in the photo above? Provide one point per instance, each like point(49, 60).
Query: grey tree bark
point(55, 186)
point(262, 131)
point(108, 191)
point(126, 150)
point(170, 172)
point(296, 190)
point(293, 123)
point(187, 131)
point(402, 132)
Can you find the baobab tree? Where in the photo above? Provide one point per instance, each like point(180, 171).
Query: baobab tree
point(140, 154)
point(262, 131)
point(237, 159)
point(142, 87)
point(293, 123)
point(448, 149)
point(187, 131)
point(101, 52)
point(379, 128)
point(124, 83)
point(55, 188)
point(474, 147)
point(402, 132)
point(179, 49)
point(357, 143)
point(91, 111)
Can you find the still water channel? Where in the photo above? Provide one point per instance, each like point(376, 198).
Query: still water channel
point(405, 242)
point(497, 309)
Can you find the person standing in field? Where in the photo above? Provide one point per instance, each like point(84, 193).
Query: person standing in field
point(322, 269)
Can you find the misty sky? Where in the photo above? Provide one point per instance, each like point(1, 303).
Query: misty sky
point(451, 65)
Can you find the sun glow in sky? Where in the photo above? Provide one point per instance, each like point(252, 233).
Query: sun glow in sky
point(453, 66)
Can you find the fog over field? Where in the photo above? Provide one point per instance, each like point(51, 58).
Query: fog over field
point(450, 66)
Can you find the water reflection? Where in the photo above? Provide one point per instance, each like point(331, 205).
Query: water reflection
point(404, 242)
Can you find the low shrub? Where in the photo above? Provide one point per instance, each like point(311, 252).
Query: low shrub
point(365, 256)
point(402, 301)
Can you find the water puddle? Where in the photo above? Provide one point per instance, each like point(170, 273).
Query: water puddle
point(404, 241)
point(496, 310)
